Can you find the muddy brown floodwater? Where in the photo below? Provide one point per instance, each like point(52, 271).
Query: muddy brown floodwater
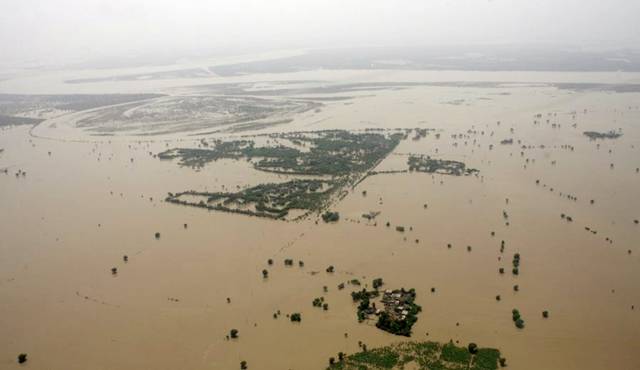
point(86, 201)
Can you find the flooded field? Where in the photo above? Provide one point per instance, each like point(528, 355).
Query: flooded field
point(83, 187)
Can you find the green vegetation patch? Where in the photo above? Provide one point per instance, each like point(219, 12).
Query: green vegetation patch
point(383, 358)
point(593, 135)
point(342, 156)
point(265, 200)
point(486, 359)
point(451, 353)
point(424, 355)
point(196, 158)
point(335, 153)
point(441, 166)
point(330, 216)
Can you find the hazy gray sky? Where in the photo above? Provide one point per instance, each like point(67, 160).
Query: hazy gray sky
point(54, 29)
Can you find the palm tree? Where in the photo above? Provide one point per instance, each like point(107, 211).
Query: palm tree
point(114, 270)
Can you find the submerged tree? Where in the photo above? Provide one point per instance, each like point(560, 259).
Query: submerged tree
point(330, 269)
point(377, 283)
point(22, 358)
point(330, 216)
point(517, 319)
point(515, 314)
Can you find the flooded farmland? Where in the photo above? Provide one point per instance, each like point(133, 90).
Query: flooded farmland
point(486, 165)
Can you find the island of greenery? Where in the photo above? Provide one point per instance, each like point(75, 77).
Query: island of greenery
point(398, 311)
point(593, 135)
point(442, 166)
point(265, 200)
point(330, 216)
point(333, 153)
point(340, 157)
point(420, 355)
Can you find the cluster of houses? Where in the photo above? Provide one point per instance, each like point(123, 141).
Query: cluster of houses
point(394, 304)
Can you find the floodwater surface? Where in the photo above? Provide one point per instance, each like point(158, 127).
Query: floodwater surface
point(87, 200)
